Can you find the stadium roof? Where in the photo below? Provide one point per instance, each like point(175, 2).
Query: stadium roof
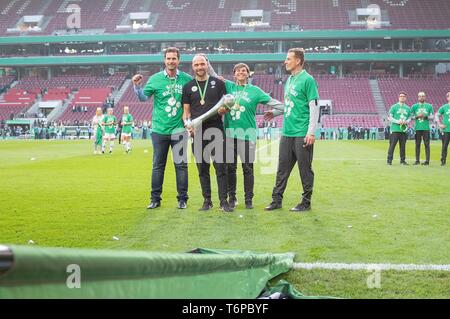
point(225, 58)
point(192, 36)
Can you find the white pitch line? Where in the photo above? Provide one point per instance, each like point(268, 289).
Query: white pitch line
point(398, 267)
point(349, 159)
point(266, 146)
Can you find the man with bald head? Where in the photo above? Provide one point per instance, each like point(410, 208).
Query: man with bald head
point(199, 96)
point(422, 113)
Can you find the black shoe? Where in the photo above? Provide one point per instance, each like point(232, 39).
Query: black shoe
point(207, 205)
point(416, 163)
point(442, 163)
point(248, 204)
point(182, 204)
point(154, 205)
point(389, 163)
point(224, 206)
point(301, 207)
point(273, 206)
point(233, 203)
point(426, 163)
point(404, 163)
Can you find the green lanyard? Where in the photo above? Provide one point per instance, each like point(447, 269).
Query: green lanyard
point(202, 93)
point(173, 84)
point(240, 95)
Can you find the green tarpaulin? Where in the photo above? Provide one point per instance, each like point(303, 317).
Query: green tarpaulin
point(56, 272)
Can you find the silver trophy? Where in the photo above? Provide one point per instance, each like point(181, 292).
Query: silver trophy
point(226, 101)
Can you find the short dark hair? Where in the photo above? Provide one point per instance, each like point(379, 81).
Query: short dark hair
point(172, 50)
point(403, 92)
point(299, 54)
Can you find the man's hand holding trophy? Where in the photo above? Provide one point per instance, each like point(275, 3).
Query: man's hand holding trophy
point(226, 103)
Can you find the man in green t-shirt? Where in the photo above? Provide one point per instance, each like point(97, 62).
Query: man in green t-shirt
point(422, 112)
point(109, 124)
point(168, 128)
point(399, 116)
point(301, 114)
point(127, 127)
point(444, 126)
point(241, 131)
point(52, 131)
point(36, 132)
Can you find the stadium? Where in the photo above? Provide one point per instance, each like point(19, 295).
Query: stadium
point(375, 231)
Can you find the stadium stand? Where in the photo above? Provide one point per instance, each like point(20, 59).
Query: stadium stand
point(15, 101)
point(177, 15)
point(348, 95)
point(6, 80)
point(90, 92)
point(72, 82)
point(141, 111)
point(365, 121)
point(435, 88)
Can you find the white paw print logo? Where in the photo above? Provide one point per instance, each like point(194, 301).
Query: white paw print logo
point(236, 112)
point(288, 108)
point(172, 110)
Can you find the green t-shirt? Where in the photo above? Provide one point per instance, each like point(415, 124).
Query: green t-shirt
point(240, 122)
point(427, 110)
point(399, 112)
point(110, 129)
point(298, 92)
point(167, 106)
point(445, 112)
point(127, 127)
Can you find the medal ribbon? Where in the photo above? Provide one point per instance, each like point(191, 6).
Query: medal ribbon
point(173, 86)
point(202, 93)
point(241, 94)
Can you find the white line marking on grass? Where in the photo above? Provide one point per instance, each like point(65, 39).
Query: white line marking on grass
point(349, 159)
point(266, 146)
point(398, 267)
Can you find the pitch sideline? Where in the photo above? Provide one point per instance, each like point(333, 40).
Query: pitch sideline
point(360, 266)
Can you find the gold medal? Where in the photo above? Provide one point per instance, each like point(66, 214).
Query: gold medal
point(202, 92)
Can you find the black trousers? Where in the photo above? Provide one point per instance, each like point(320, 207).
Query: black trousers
point(291, 152)
point(209, 145)
point(445, 142)
point(425, 136)
point(393, 140)
point(246, 150)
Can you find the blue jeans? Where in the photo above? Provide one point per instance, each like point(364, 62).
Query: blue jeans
point(161, 144)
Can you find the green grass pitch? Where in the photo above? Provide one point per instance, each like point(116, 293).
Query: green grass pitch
point(57, 193)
